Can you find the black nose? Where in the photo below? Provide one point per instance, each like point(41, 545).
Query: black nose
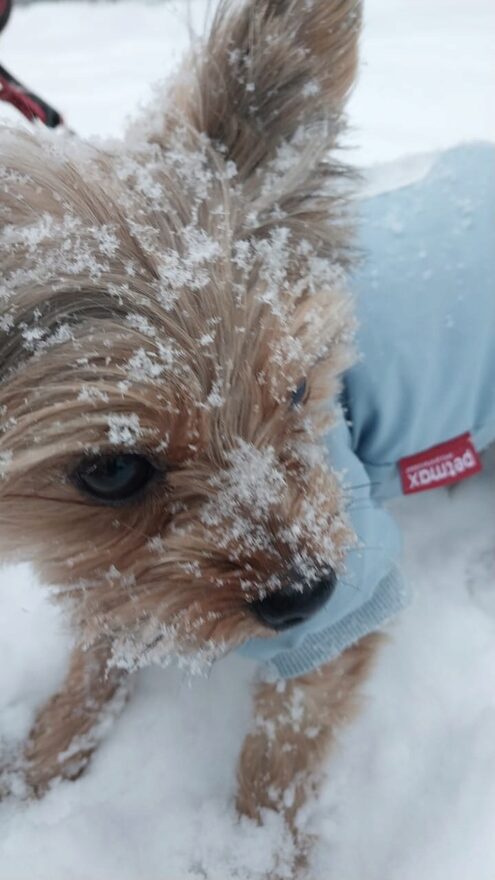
point(296, 602)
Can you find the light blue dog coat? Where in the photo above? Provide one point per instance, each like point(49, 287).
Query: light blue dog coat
point(425, 297)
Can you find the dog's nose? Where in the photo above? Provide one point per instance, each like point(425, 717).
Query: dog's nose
point(296, 602)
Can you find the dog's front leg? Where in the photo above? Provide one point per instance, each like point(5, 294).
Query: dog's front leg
point(68, 728)
point(295, 724)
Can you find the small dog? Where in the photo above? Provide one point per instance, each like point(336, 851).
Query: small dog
point(175, 324)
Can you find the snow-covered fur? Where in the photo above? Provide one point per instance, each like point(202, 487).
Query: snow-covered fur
point(180, 297)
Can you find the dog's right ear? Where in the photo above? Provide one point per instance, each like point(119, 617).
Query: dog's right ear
point(270, 69)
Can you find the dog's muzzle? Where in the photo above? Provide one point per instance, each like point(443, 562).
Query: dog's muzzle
point(296, 602)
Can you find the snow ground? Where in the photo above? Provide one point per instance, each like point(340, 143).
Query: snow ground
point(411, 792)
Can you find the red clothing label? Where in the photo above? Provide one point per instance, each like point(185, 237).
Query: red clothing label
point(441, 465)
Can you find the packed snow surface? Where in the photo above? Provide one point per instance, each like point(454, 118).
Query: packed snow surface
point(411, 789)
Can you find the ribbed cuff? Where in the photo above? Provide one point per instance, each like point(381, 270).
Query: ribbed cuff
point(390, 597)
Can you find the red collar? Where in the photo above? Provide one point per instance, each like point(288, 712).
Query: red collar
point(33, 107)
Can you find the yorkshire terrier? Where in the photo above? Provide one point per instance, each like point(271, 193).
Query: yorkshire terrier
point(175, 323)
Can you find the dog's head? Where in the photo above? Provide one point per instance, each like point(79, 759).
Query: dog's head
point(174, 324)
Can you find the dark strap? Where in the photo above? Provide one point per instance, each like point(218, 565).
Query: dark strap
point(33, 107)
point(5, 8)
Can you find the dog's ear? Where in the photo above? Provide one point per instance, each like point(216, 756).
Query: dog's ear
point(270, 69)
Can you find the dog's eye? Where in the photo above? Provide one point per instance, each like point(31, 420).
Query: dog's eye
point(299, 393)
point(114, 478)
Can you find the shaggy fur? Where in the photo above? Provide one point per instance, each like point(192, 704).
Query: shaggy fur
point(166, 296)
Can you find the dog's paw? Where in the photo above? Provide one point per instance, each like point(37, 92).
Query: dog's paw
point(29, 773)
point(41, 771)
point(294, 845)
point(62, 742)
point(13, 783)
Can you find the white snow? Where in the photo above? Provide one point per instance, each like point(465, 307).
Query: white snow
point(124, 429)
point(411, 790)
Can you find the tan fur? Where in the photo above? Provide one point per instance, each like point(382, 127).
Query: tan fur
point(69, 727)
point(295, 724)
point(166, 295)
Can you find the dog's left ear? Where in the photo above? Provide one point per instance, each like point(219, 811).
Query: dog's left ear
point(272, 72)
